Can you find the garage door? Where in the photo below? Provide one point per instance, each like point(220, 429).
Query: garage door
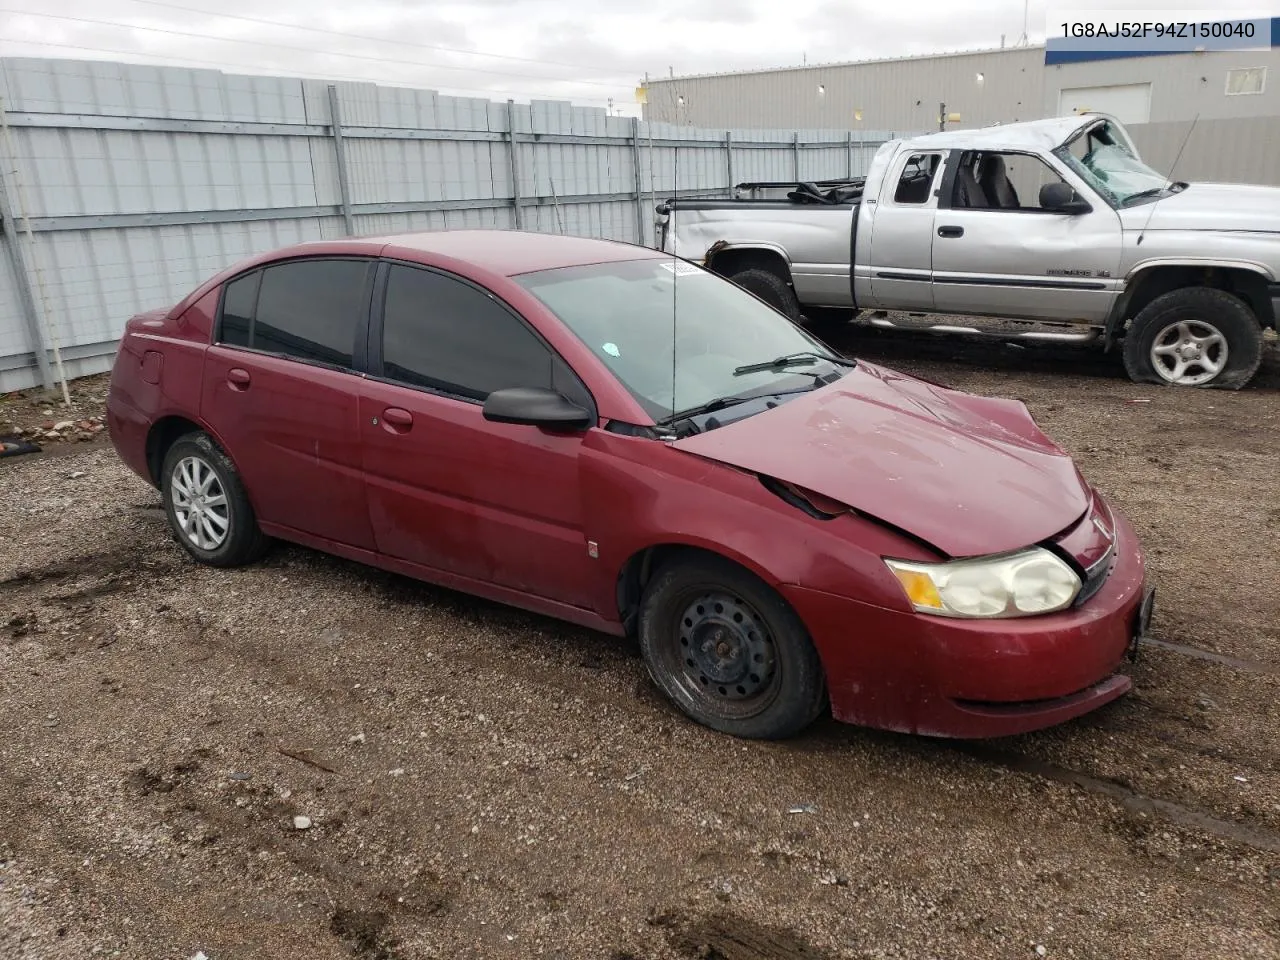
point(1128, 103)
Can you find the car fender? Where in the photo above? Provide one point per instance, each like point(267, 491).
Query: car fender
point(640, 494)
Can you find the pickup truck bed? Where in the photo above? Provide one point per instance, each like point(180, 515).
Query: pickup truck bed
point(812, 228)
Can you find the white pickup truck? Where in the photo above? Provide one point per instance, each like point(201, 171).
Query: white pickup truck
point(1053, 222)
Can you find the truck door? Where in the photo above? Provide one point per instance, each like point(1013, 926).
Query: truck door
point(900, 258)
point(998, 251)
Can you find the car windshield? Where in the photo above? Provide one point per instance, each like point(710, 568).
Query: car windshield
point(1101, 155)
point(630, 313)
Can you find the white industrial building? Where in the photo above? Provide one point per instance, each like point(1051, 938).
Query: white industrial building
point(1233, 97)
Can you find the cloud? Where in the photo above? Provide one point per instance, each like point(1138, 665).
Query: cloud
point(591, 50)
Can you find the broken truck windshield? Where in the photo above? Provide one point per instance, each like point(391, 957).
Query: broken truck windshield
point(647, 319)
point(1102, 157)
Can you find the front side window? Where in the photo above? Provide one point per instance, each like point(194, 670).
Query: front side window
point(1002, 181)
point(444, 334)
point(304, 309)
point(675, 335)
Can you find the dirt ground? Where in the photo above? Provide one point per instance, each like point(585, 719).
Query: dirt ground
point(479, 782)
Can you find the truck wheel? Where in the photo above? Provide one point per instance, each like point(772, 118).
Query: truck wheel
point(1194, 337)
point(729, 651)
point(771, 288)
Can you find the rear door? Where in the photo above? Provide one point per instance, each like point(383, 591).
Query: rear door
point(900, 257)
point(448, 489)
point(281, 392)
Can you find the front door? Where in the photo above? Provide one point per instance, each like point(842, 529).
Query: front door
point(998, 253)
point(447, 489)
point(281, 393)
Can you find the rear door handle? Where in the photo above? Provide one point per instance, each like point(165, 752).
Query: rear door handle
point(951, 231)
point(239, 379)
point(396, 420)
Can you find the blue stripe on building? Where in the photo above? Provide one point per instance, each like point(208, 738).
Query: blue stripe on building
point(1058, 50)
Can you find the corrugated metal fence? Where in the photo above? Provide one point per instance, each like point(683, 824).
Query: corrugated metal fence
point(125, 186)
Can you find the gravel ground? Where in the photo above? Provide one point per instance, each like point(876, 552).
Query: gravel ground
point(479, 782)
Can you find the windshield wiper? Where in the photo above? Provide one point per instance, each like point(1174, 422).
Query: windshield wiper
point(792, 360)
point(719, 403)
point(1175, 187)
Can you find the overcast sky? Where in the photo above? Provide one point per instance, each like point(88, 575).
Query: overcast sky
point(584, 50)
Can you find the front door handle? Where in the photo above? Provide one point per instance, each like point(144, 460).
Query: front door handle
point(397, 420)
point(238, 379)
point(951, 231)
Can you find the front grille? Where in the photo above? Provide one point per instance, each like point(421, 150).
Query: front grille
point(1096, 576)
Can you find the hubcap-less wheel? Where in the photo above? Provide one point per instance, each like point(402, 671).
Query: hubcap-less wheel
point(200, 503)
point(1189, 353)
point(727, 655)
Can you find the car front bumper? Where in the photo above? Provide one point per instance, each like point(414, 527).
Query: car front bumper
point(947, 677)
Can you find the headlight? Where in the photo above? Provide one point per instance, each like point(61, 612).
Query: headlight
point(1014, 585)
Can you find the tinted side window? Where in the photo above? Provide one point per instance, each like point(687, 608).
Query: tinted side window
point(309, 309)
point(237, 310)
point(445, 334)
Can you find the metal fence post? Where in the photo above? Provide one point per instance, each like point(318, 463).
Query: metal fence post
point(795, 153)
point(849, 144)
point(517, 213)
point(340, 151)
point(635, 162)
point(26, 297)
point(728, 158)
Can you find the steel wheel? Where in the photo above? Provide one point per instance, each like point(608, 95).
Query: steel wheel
point(728, 649)
point(726, 655)
point(1189, 352)
point(200, 504)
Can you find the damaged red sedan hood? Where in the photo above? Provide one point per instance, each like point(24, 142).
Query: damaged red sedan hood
point(970, 475)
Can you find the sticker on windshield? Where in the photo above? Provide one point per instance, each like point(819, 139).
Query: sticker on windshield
point(679, 268)
point(612, 349)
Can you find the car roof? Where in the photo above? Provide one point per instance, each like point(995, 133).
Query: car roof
point(510, 252)
point(1028, 134)
point(505, 253)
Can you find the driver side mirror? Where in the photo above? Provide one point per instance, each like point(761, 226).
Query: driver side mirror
point(535, 407)
point(1060, 198)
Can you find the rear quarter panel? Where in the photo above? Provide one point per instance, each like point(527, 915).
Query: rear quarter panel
point(158, 372)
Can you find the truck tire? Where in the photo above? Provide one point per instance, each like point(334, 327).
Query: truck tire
point(1194, 337)
point(771, 288)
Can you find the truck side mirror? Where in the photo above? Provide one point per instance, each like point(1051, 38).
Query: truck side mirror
point(1060, 198)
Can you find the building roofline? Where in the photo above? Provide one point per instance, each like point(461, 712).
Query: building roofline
point(844, 63)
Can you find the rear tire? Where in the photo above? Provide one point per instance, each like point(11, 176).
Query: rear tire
point(1179, 338)
point(771, 288)
point(209, 512)
point(728, 651)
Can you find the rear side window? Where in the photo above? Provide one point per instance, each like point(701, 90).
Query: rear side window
point(237, 309)
point(916, 178)
point(447, 335)
point(306, 309)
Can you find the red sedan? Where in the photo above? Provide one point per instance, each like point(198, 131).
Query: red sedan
point(597, 432)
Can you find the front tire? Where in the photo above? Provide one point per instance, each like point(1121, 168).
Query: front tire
point(728, 651)
point(209, 512)
point(1194, 337)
